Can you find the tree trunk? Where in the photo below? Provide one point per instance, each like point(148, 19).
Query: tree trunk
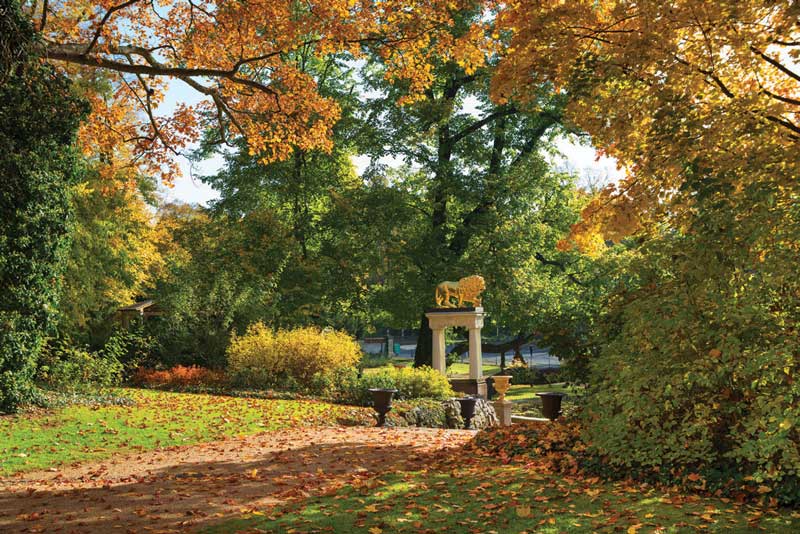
point(423, 355)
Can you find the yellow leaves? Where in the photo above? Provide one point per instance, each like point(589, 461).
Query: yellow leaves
point(300, 353)
point(664, 88)
point(523, 511)
point(375, 530)
point(633, 529)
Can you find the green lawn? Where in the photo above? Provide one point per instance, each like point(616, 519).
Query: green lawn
point(524, 392)
point(459, 369)
point(508, 499)
point(159, 419)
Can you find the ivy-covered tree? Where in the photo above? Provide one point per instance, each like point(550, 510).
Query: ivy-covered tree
point(39, 117)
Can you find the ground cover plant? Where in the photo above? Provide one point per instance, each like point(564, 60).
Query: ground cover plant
point(156, 419)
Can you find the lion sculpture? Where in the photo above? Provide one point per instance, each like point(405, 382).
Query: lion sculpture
point(467, 289)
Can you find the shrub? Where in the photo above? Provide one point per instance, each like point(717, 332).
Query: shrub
point(697, 376)
point(522, 374)
point(420, 382)
point(410, 383)
point(133, 348)
point(178, 377)
point(300, 358)
point(74, 369)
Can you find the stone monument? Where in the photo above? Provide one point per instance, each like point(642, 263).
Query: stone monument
point(449, 313)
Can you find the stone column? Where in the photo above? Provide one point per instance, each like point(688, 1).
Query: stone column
point(438, 350)
point(475, 355)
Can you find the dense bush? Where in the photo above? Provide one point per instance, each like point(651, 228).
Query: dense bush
point(410, 383)
point(38, 120)
point(698, 372)
point(134, 348)
point(64, 367)
point(290, 358)
point(178, 377)
point(522, 374)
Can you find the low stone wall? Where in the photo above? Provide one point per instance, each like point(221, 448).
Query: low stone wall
point(447, 414)
point(485, 415)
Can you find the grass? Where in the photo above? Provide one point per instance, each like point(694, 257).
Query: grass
point(457, 369)
point(523, 392)
point(505, 499)
point(159, 419)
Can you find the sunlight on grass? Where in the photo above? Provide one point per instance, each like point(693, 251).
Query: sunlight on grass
point(159, 419)
point(508, 499)
point(459, 369)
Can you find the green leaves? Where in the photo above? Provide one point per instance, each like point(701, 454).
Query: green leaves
point(38, 119)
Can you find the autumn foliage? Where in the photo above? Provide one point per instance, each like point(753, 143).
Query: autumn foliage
point(178, 377)
point(238, 56)
point(669, 89)
point(289, 358)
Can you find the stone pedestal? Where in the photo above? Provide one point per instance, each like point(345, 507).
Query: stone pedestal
point(503, 410)
point(472, 319)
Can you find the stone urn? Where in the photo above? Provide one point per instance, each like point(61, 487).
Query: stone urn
point(501, 384)
point(382, 403)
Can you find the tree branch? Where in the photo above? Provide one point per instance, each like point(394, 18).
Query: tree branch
point(105, 19)
point(475, 126)
point(775, 63)
point(563, 268)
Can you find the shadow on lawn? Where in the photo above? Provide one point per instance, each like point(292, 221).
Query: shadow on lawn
point(183, 497)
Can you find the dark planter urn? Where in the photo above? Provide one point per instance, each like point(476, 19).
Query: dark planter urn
point(382, 403)
point(467, 409)
point(551, 404)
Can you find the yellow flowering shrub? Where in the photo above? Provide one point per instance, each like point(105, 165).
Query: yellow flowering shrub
point(288, 358)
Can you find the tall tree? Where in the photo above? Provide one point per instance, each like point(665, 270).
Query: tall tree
point(471, 161)
point(668, 88)
point(233, 53)
point(114, 257)
point(39, 116)
point(701, 102)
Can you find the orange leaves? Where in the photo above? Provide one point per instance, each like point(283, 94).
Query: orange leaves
point(178, 376)
point(610, 216)
point(241, 56)
point(674, 90)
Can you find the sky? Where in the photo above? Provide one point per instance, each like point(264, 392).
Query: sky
point(574, 157)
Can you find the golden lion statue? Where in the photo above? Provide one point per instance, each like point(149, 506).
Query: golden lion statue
point(467, 289)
